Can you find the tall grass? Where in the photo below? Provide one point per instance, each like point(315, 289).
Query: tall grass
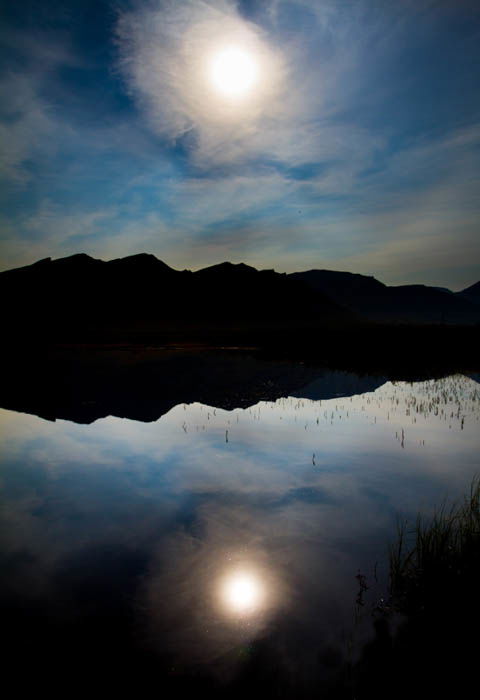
point(440, 560)
point(431, 650)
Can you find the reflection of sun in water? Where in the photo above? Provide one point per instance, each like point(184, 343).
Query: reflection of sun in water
point(242, 593)
point(233, 72)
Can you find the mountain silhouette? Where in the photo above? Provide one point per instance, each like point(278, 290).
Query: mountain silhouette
point(472, 293)
point(79, 297)
point(140, 291)
point(413, 303)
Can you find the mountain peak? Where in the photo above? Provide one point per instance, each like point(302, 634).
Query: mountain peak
point(229, 267)
point(140, 257)
point(473, 288)
point(77, 258)
point(143, 260)
point(471, 293)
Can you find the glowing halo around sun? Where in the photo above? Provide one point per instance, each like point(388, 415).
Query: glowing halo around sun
point(204, 76)
point(233, 72)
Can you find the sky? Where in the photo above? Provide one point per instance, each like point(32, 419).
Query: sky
point(353, 144)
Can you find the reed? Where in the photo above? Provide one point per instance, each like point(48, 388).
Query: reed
point(439, 559)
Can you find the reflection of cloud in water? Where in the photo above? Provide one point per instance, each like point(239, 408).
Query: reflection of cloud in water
point(201, 509)
point(242, 592)
point(215, 588)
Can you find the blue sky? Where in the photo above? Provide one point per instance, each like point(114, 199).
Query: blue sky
point(358, 149)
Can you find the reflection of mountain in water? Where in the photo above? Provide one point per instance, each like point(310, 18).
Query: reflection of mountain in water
point(333, 383)
point(143, 385)
point(84, 385)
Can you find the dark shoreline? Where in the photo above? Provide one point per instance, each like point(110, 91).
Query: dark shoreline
point(397, 349)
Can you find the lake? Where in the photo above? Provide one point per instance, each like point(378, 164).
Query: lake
point(216, 548)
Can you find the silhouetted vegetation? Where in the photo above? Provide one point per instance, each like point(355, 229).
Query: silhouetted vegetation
point(442, 561)
point(434, 583)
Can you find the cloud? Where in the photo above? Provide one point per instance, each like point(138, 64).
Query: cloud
point(364, 145)
point(165, 50)
point(307, 78)
point(28, 119)
point(26, 126)
point(195, 506)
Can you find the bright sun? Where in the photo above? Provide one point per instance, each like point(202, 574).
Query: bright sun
point(242, 593)
point(233, 72)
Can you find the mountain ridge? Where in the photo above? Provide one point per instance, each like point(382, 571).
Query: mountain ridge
point(376, 301)
point(473, 288)
point(79, 292)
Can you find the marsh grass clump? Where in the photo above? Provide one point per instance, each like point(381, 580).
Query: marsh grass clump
point(438, 569)
point(425, 632)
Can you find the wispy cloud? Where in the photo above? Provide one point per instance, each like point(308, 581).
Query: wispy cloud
point(361, 145)
point(165, 48)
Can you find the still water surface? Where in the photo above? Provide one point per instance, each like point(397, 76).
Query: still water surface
point(188, 540)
